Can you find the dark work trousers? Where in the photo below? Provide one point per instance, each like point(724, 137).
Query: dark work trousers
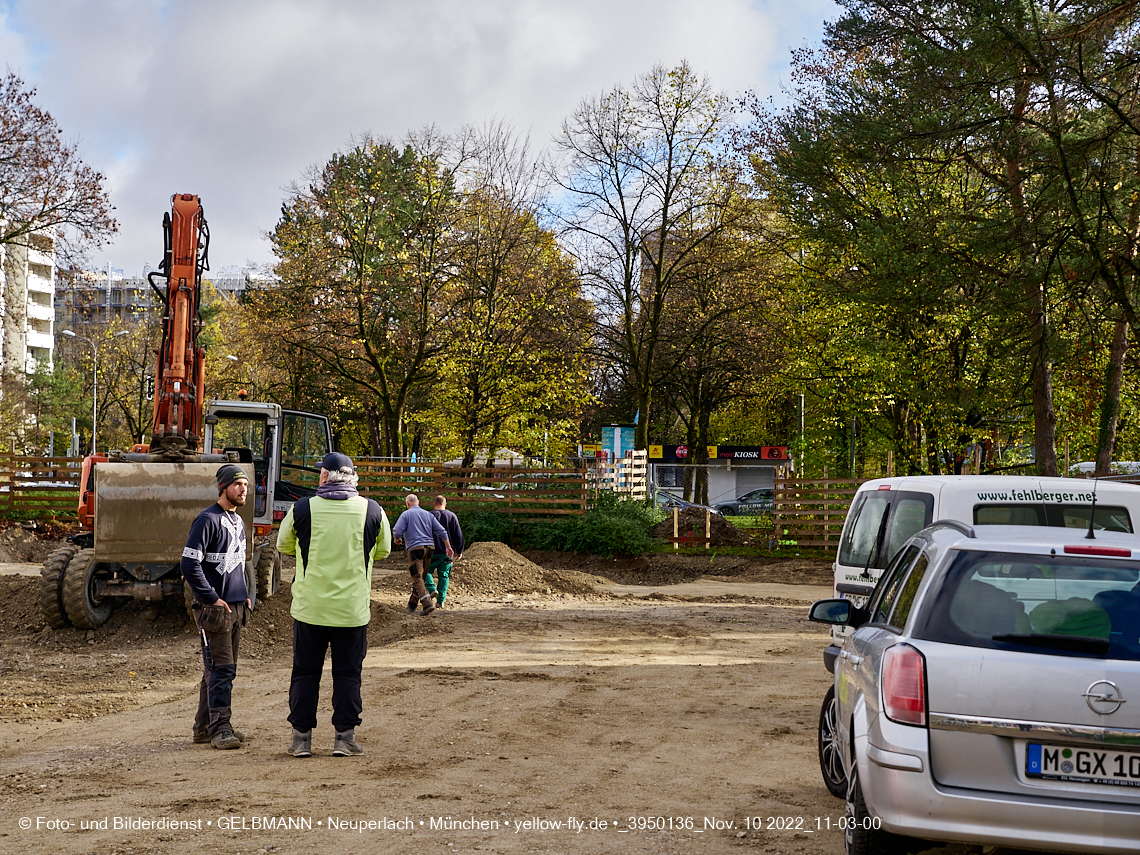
point(310, 643)
point(418, 561)
point(219, 667)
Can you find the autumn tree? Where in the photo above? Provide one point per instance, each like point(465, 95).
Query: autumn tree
point(364, 274)
point(519, 326)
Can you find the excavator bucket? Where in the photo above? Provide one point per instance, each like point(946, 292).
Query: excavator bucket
point(143, 511)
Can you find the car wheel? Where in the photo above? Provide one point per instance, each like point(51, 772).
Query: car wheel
point(726, 511)
point(830, 753)
point(864, 835)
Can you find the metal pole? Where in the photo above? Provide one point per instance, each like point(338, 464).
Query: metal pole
point(803, 444)
point(95, 391)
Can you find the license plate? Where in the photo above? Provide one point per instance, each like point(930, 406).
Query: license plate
point(1083, 765)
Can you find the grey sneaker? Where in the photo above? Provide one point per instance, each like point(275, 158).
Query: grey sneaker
point(346, 745)
point(225, 740)
point(302, 744)
point(201, 737)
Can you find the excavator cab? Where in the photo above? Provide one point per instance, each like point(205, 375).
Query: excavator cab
point(285, 448)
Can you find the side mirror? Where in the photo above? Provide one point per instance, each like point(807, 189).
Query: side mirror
point(837, 613)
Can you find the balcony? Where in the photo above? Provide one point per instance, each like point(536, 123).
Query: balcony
point(40, 340)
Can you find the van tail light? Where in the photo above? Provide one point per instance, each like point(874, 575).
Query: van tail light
point(904, 685)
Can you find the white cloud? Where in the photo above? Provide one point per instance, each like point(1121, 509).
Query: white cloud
point(233, 100)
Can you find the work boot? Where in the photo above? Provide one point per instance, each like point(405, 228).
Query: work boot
point(346, 745)
point(201, 737)
point(428, 607)
point(438, 597)
point(302, 744)
point(413, 602)
point(225, 739)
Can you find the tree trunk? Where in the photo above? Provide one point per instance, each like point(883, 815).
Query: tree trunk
point(375, 437)
point(1110, 403)
point(700, 456)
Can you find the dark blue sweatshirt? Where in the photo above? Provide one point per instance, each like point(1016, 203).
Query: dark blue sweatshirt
point(213, 561)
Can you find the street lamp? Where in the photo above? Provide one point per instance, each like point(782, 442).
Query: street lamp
point(235, 359)
point(94, 379)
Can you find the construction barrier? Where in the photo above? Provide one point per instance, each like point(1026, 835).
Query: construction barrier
point(627, 476)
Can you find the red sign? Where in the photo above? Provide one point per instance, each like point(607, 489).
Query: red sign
point(774, 452)
point(682, 451)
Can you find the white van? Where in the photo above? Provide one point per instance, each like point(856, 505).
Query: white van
point(887, 511)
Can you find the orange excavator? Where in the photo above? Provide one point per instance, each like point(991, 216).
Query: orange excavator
point(138, 505)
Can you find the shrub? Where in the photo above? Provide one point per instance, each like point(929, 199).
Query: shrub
point(612, 527)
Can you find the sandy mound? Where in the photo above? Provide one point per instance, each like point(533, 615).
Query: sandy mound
point(691, 523)
point(494, 570)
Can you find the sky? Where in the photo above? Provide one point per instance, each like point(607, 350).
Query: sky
point(234, 99)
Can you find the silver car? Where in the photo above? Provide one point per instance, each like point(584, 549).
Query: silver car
point(990, 693)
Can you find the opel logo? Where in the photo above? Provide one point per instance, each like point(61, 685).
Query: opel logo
point(1103, 697)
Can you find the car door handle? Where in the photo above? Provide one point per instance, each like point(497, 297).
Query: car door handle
point(854, 659)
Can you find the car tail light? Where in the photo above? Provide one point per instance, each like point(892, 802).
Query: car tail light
point(904, 685)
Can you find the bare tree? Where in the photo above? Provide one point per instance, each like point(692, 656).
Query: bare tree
point(639, 174)
point(44, 185)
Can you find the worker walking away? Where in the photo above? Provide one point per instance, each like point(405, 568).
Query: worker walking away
point(440, 568)
point(213, 563)
point(335, 535)
point(418, 530)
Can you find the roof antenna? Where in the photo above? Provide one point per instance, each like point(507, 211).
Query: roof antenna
point(1092, 511)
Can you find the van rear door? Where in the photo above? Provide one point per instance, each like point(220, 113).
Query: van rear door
point(880, 522)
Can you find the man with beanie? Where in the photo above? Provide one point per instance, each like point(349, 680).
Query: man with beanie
point(336, 535)
point(440, 569)
point(418, 530)
point(213, 563)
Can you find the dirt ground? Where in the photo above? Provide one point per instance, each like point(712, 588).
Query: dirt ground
point(538, 712)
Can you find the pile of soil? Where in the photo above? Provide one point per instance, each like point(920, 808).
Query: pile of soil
point(691, 523)
point(491, 569)
point(30, 543)
point(672, 568)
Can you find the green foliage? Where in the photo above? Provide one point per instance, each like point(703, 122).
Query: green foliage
point(611, 527)
point(486, 526)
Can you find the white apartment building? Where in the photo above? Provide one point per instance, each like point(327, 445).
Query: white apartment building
point(27, 297)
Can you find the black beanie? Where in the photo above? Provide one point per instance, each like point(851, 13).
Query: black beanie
point(227, 474)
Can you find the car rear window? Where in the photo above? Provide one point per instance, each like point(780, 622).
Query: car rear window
point(1058, 605)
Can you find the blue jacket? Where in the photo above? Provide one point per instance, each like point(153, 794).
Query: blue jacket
point(418, 528)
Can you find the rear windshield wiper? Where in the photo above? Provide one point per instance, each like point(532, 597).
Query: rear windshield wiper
point(1076, 643)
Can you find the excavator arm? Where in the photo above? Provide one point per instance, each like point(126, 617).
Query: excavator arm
point(180, 373)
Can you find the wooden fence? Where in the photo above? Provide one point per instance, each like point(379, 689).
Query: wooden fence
point(812, 511)
point(531, 492)
point(39, 486)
